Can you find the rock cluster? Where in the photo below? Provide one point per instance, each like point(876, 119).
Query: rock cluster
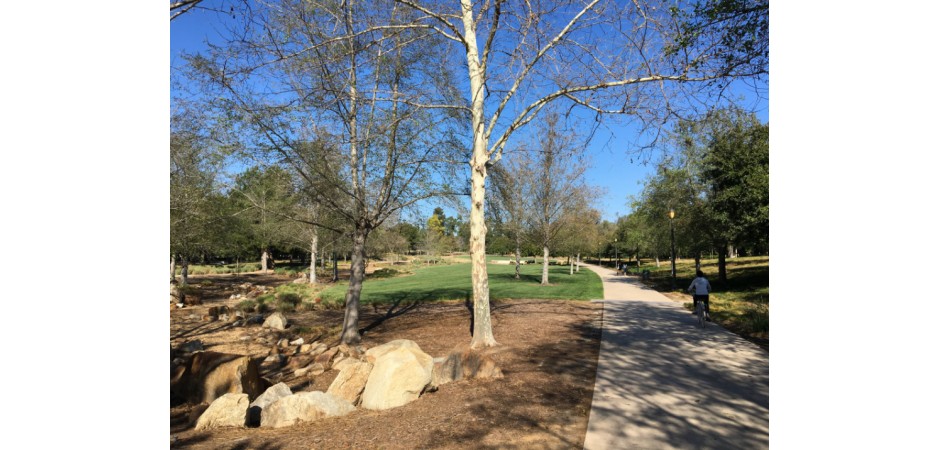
point(383, 377)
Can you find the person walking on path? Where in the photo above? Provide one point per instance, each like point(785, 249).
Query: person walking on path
point(700, 288)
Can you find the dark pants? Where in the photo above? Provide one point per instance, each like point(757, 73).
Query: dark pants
point(698, 298)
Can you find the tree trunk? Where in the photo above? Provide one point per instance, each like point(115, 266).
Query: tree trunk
point(313, 258)
point(578, 268)
point(518, 258)
point(482, 329)
point(184, 273)
point(722, 274)
point(698, 261)
point(544, 265)
point(657, 261)
point(172, 267)
point(357, 274)
point(335, 268)
point(264, 261)
point(570, 266)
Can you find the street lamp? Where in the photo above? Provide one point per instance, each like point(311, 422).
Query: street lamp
point(672, 229)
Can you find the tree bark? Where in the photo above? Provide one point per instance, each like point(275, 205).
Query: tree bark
point(264, 261)
point(570, 266)
point(722, 274)
point(482, 328)
point(313, 258)
point(698, 261)
point(335, 268)
point(518, 258)
point(172, 267)
point(357, 273)
point(578, 268)
point(184, 273)
point(544, 265)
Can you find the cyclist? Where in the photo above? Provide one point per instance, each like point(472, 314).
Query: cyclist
point(700, 288)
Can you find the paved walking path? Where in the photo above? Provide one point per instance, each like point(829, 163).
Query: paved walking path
point(663, 382)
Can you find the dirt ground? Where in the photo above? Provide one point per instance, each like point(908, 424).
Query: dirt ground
point(548, 355)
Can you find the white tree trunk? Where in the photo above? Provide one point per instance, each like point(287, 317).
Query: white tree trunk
point(264, 261)
point(578, 269)
point(570, 266)
point(657, 261)
point(544, 265)
point(482, 328)
point(172, 267)
point(313, 258)
point(184, 273)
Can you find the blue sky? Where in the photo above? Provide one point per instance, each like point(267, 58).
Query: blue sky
point(615, 166)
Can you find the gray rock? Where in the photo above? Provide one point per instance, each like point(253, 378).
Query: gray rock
point(297, 341)
point(303, 407)
point(229, 410)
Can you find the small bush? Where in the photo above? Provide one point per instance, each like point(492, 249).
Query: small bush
point(247, 306)
point(289, 297)
point(308, 306)
point(286, 307)
point(384, 273)
point(205, 283)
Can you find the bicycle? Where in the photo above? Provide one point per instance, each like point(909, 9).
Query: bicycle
point(700, 312)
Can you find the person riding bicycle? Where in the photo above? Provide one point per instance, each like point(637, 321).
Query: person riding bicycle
point(700, 288)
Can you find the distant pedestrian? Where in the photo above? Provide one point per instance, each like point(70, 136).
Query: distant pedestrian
point(700, 288)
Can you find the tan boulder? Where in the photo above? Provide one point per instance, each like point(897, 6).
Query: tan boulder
point(376, 352)
point(210, 375)
point(465, 364)
point(271, 395)
point(350, 381)
point(229, 410)
point(303, 407)
point(398, 377)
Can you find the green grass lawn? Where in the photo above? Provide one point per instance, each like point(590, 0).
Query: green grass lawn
point(452, 282)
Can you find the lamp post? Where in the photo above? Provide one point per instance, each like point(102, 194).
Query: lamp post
point(672, 230)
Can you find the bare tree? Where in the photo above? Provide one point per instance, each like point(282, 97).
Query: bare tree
point(334, 91)
point(605, 57)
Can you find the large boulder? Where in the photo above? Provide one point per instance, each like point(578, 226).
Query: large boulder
point(209, 375)
point(350, 382)
point(376, 352)
point(303, 407)
point(278, 321)
point(399, 376)
point(465, 364)
point(229, 410)
point(273, 394)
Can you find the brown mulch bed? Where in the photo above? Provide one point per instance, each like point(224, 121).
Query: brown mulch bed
point(548, 354)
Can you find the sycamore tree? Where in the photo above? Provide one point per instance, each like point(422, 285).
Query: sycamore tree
point(336, 92)
point(649, 60)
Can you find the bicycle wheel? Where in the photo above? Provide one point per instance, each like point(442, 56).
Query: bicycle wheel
point(700, 312)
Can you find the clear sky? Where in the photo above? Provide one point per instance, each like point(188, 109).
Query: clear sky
point(615, 165)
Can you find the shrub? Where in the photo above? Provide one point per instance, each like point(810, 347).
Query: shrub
point(289, 297)
point(247, 306)
point(384, 273)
